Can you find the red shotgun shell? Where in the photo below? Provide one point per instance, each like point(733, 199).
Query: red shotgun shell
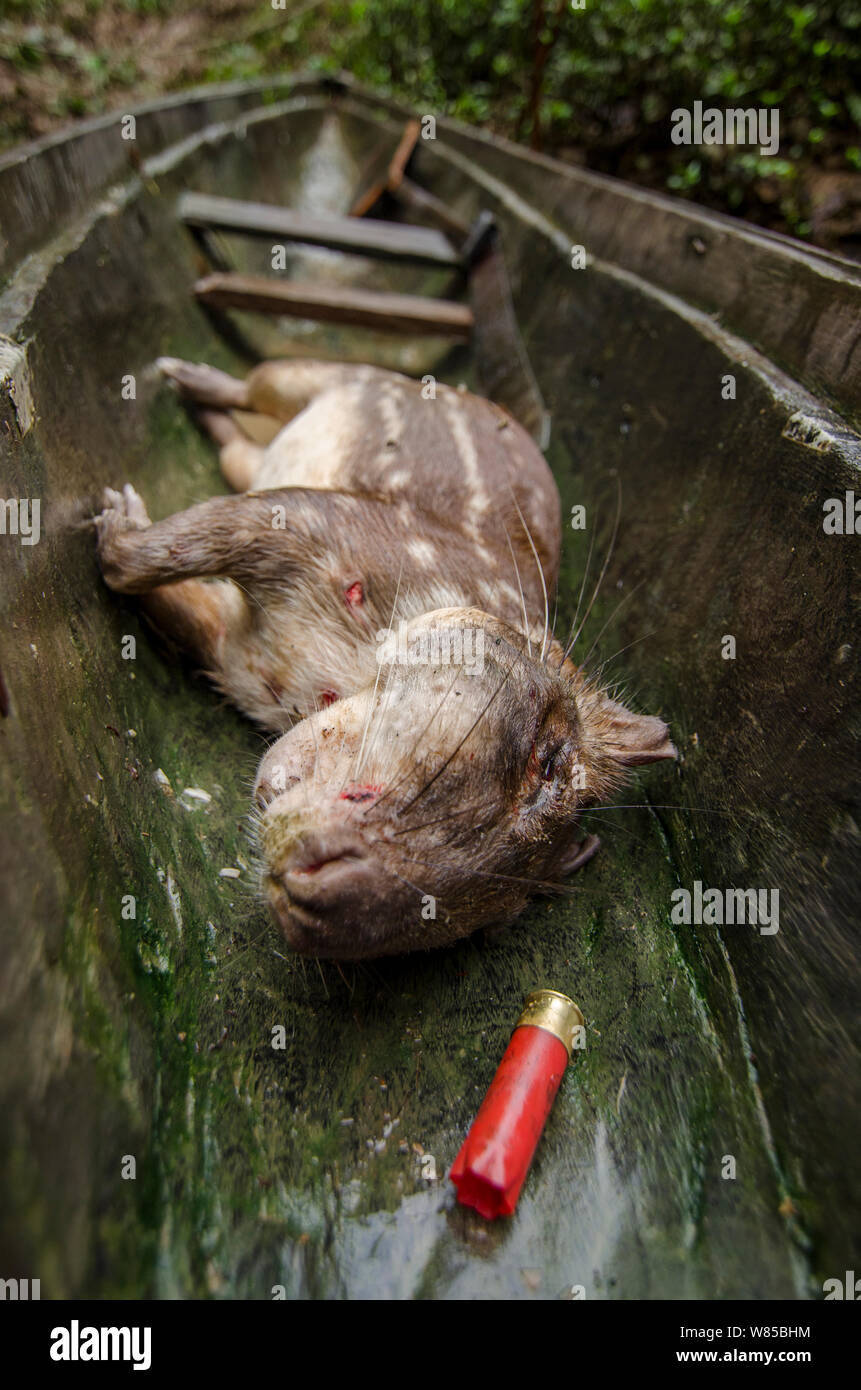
point(493, 1162)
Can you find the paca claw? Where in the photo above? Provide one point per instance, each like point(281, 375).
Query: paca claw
point(122, 511)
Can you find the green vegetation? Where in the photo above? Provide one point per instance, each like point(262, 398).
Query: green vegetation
point(596, 84)
point(606, 79)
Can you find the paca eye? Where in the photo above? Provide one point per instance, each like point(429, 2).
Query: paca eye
point(545, 762)
point(553, 761)
point(549, 770)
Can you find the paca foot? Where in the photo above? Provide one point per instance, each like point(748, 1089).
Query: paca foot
point(239, 456)
point(121, 512)
point(206, 385)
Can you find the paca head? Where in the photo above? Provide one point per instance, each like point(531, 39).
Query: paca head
point(436, 800)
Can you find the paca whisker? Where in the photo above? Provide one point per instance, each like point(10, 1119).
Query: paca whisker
point(375, 713)
point(540, 569)
point(341, 768)
point(421, 891)
point(408, 758)
point(440, 820)
point(427, 786)
point(614, 825)
point(249, 594)
point(664, 806)
point(371, 706)
point(610, 548)
point(312, 724)
point(553, 624)
point(619, 606)
point(461, 834)
point(583, 584)
point(637, 640)
point(536, 884)
point(520, 589)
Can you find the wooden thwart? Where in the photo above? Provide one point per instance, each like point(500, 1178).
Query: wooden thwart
point(394, 313)
point(365, 237)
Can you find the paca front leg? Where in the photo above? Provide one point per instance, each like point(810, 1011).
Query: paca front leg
point(312, 582)
point(227, 536)
point(280, 389)
point(193, 614)
point(338, 542)
point(239, 457)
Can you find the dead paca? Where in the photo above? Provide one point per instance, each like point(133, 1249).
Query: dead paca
point(378, 596)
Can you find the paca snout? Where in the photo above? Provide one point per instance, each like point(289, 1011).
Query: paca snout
point(319, 870)
point(319, 875)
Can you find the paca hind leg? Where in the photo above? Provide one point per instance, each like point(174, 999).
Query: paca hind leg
point(280, 389)
point(240, 458)
point(205, 385)
point(216, 393)
point(317, 404)
point(283, 389)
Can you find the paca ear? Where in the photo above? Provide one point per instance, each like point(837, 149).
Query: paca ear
point(634, 739)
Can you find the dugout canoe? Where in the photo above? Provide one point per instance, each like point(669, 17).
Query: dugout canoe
point(702, 1145)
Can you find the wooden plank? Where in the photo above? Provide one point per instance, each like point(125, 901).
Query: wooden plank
point(393, 313)
point(364, 237)
point(372, 181)
point(419, 201)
